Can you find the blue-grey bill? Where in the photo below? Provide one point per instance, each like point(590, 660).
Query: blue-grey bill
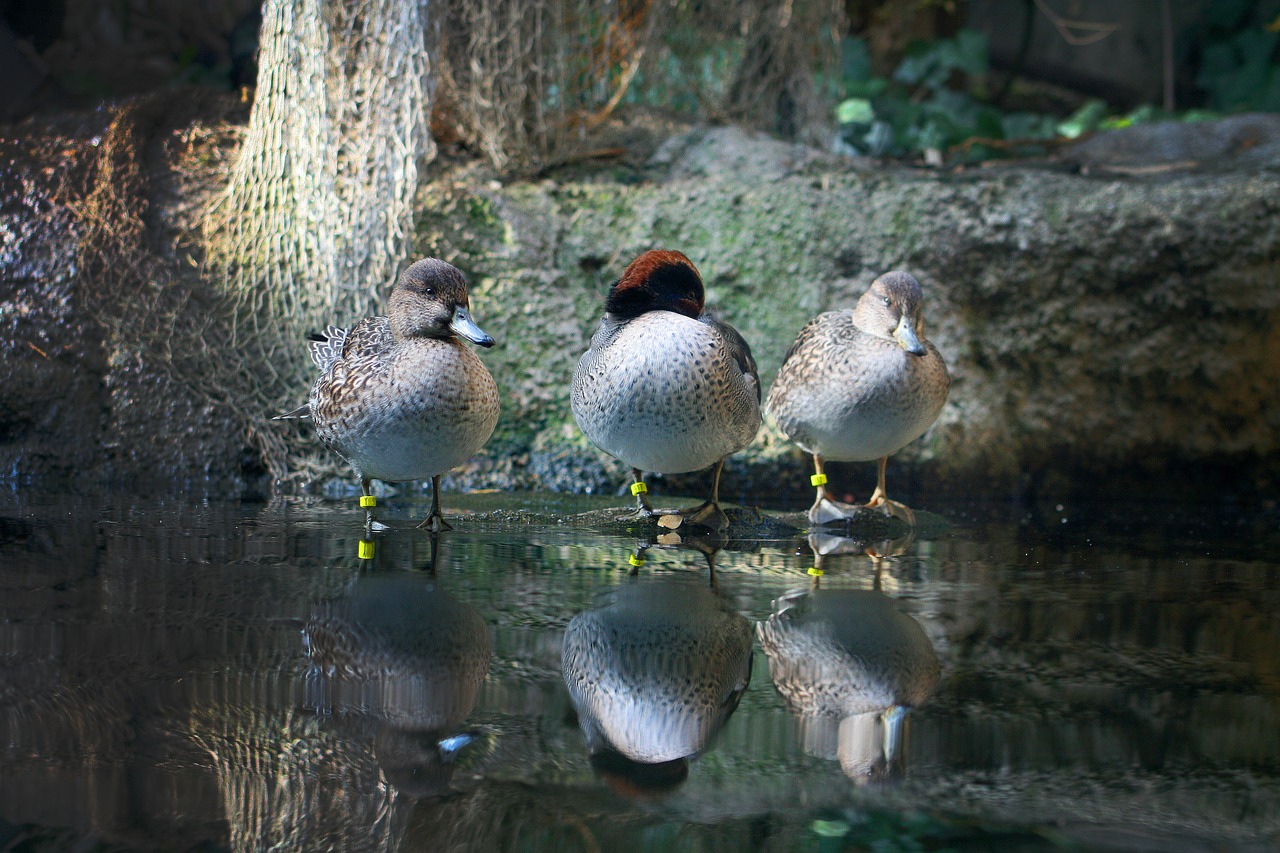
point(905, 335)
point(463, 325)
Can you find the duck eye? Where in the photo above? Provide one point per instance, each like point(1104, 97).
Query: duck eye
point(887, 301)
point(431, 291)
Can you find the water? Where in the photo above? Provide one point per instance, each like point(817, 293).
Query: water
point(219, 676)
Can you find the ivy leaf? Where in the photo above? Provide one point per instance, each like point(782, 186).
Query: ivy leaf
point(855, 111)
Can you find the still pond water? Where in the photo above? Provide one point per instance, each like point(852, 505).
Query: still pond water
point(178, 675)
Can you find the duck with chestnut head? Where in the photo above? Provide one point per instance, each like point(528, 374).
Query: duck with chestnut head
point(400, 397)
point(664, 387)
point(858, 385)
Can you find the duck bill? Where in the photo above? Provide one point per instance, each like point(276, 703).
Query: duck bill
point(894, 720)
point(464, 326)
point(450, 747)
point(906, 337)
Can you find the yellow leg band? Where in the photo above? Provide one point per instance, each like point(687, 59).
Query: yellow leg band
point(639, 488)
point(367, 501)
point(636, 560)
point(816, 572)
point(818, 480)
point(366, 550)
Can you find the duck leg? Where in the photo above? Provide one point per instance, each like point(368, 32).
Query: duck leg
point(708, 513)
point(435, 519)
point(368, 502)
point(881, 501)
point(826, 509)
point(644, 509)
point(636, 560)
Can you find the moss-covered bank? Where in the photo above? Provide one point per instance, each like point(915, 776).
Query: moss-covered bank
point(1107, 332)
point(1101, 331)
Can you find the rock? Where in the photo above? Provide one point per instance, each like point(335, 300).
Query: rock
point(1235, 142)
point(1107, 334)
point(1104, 335)
point(718, 153)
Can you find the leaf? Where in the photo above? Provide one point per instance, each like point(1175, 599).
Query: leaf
point(830, 828)
point(879, 139)
point(1084, 120)
point(970, 54)
point(855, 111)
point(1028, 126)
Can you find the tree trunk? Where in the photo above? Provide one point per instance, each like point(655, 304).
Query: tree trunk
point(317, 215)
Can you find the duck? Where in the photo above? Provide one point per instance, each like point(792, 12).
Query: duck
point(655, 674)
point(663, 387)
point(858, 385)
point(849, 664)
point(404, 655)
point(400, 397)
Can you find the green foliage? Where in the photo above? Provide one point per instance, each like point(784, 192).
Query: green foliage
point(935, 99)
point(1240, 66)
point(931, 64)
point(918, 110)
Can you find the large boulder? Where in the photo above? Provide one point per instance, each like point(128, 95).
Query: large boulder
point(1106, 332)
point(86, 395)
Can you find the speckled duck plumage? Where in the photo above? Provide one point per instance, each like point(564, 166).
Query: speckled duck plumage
point(400, 397)
point(656, 673)
point(663, 387)
point(841, 652)
point(859, 384)
point(849, 664)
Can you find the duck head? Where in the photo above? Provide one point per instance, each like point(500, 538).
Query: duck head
point(658, 280)
point(893, 309)
point(430, 300)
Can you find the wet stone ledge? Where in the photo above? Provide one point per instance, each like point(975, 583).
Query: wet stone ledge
point(1107, 331)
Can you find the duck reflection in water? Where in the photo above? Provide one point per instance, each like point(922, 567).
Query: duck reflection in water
point(849, 664)
point(401, 653)
point(654, 675)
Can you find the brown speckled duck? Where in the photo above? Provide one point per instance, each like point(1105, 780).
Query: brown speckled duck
point(663, 387)
point(400, 397)
point(849, 664)
point(858, 385)
point(656, 673)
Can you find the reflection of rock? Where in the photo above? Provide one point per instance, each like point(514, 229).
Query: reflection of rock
point(706, 542)
point(849, 663)
point(409, 656)
point(654, 675)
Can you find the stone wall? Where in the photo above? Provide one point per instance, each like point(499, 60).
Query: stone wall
point(1104, 331)
point(1109, 331)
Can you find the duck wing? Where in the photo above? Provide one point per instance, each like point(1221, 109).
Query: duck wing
point(813, 330)
point(370, 338)
point(739, 350)
point(326, 347)
point(303, 412)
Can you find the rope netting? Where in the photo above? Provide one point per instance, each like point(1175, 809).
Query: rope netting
point(316, 214)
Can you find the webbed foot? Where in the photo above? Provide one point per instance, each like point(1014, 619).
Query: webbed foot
point(891, 508)
point(640, 513)
point(827, 510)
point(435, 523)
point(707, 515)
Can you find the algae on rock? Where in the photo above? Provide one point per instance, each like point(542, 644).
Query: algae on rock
point(1093, 325)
